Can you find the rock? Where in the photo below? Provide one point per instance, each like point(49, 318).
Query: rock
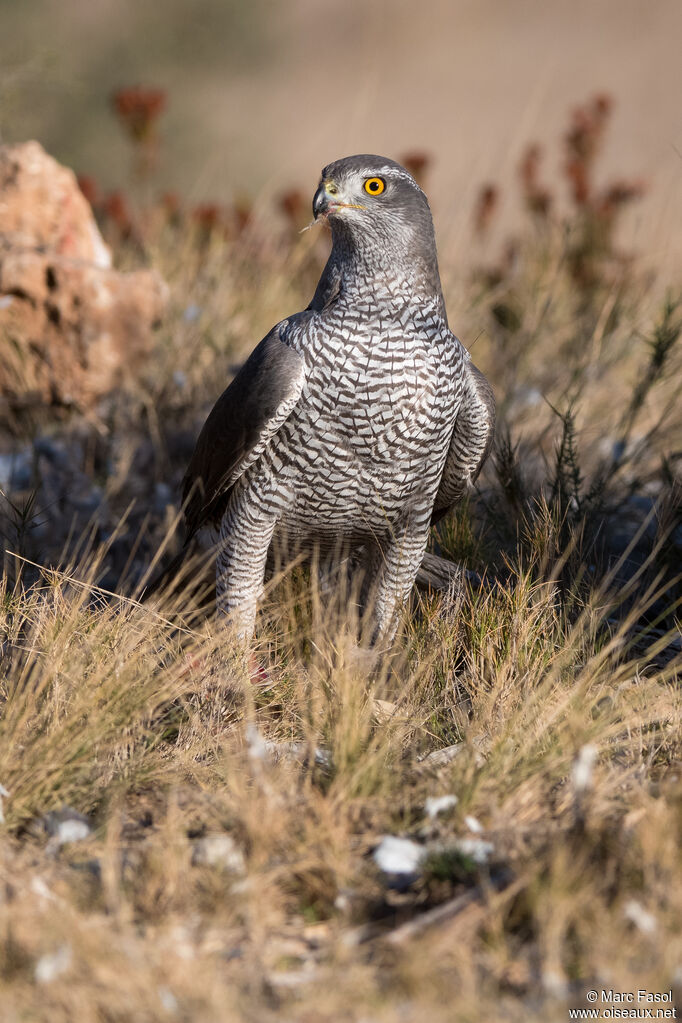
point(4, 794)
point(639, 916)
point(583, 766)
point(383, 711)
point(436, 805)
point(39, 888)
point(261, 749)
point(64, 826)
point(15, 470)
point(299, 751)
point(163, 496)
point(439, 574)
point(440, 757)
point(52, 965)
point(168, 1000)
point(218, 851)
point(400, 859)
point(60, 454)
point(634, 525)
point(42, 207)
point(77, 328)
point(475, 848)
point(256, 744)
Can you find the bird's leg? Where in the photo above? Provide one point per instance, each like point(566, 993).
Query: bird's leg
point(394, 567)
point(245, 536)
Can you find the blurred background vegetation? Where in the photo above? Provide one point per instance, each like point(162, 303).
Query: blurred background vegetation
point(262, 94)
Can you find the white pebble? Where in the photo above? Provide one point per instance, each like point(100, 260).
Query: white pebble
point(4, 794)
point(439, 804)
point(52, 965)
point(256, 744)
point(219, 851)
point(168, 1000)
point(396, 855)
point(479, 851)
point(640, 917)
point(39, 888)
point(583, 765)
point(71, 831)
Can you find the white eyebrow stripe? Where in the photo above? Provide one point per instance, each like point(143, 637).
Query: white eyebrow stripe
point(396, 172)
point(387, 170)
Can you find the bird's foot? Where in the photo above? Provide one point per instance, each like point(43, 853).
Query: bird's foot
point(258, 674)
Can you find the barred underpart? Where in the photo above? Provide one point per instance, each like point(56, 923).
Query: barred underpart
point(355, 423)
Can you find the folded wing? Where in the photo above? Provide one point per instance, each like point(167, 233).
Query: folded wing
point(472, 439)
point(245, 417)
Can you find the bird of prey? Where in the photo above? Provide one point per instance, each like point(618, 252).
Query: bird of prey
point(355, 423)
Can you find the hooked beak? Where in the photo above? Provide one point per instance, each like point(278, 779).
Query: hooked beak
point(327, 200)
point(320, 201)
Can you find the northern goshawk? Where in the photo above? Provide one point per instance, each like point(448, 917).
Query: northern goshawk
point(354, 424)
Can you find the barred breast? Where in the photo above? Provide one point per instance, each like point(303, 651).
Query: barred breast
point(370, 433)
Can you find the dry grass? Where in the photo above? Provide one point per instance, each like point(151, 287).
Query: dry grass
point(554, 687)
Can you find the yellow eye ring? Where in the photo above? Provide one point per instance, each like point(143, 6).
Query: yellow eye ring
point(374, 186)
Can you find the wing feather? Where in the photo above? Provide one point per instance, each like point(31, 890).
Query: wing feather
point(472, 439)
point(245, 417)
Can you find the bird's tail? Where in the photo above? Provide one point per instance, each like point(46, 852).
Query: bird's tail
point(190, 572)
point(170, 578)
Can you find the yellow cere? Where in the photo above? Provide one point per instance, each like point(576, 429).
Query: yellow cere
point(375, 186)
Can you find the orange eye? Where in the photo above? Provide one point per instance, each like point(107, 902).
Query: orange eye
point(375, 186)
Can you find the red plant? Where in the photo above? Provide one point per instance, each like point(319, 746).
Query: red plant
point(171, 203)
point(598, 210)
point(617, 194)
point(537, 198)
point(577, 173)
point(138, 109)
point(116, 209)
point(210, 218)
point(582, 143)
point(172, 207)
point(486, 207)
point(591, 253)
point(294, 206)
point(208, 215)
point(417, 162)
point(242, 213)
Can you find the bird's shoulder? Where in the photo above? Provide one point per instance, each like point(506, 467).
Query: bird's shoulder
point(482, 392)
point(477, 389)
point(248, 412)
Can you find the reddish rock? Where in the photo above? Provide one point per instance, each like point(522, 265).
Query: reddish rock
point(41, 205)
point(71, 328)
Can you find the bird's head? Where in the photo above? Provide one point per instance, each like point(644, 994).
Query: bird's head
point(372, 201)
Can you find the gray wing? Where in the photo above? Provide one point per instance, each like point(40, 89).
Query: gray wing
point(328, 286)
point(244, 418)
point(471, 441)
